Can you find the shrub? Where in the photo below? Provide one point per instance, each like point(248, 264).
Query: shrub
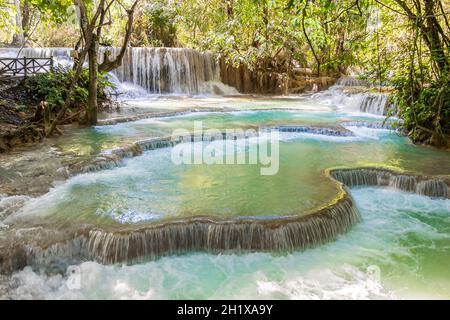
point(53, 88)
point(425, 110)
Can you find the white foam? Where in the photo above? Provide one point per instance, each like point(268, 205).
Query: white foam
point(354, 103)
point(346, 283)
point(367, 263)
point(165, 280)
point(11, 204)
point(127, 216)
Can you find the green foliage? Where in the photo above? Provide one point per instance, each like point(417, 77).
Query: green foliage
point(424, 110)
point(267, 34)
point(54, 11)
point(54, 87)
point(5, 10)
point(155, 26)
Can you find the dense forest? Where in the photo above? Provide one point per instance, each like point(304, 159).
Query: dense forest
point(398, 44)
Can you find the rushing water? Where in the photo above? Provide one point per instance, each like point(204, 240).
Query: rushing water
point(156, 70)
point(172, 70)
point(150, 187)
point(400, 249)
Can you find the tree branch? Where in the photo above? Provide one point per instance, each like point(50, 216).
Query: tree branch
point(108, 65)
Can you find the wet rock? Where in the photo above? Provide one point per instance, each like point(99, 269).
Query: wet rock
point(9, 205)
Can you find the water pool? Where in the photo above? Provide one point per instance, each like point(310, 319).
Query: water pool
point(400, 249)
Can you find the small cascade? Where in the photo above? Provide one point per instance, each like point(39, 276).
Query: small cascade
point(60, 248)
point(402, 182)
point(372, 125)
point(360, 99)
point(368, 102)
point(316, 130)
point(352, 178)
point(352, 82)
point(433, 187)
point(210, 235)
point(375, 103)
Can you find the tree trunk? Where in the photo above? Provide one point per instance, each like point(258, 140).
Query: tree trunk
point(431, 31)
point(26, 19)
point(19, 37)
point(91, 112)
point(434, 42)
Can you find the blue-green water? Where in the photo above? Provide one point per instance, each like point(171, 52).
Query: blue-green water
point(401, 248)
point(151, 187)
point(95, 140)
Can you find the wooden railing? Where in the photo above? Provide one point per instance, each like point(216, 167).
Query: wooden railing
point(24, 67)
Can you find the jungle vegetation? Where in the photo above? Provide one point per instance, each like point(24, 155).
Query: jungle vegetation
point(403, 44)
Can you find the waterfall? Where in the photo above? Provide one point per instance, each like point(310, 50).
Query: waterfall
point(389, 125)
point(351, 94)
point(157, 70)
point(60, 55)
point(374, 103)
point(433, 187)
point(316, 130)
point(355, 101)
point(172, 70)
point(297, 233)
point(352, 82)
point(59, 248)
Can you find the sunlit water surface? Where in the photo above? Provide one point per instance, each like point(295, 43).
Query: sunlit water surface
point(401, 249)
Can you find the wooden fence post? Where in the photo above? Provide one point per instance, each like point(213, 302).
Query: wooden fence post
point(25, 66)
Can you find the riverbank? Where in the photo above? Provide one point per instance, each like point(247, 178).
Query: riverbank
point(17, 112)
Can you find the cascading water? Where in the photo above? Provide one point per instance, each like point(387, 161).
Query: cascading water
point(375, 103)
point(157, 70)
point(61, 55)
point(172, 70)
point(146, 207)
point(350, 100)
point(432, 187)
point(351, 82)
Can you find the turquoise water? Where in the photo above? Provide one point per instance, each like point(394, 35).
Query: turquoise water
point(151, 187)
point(95, 140)
point(401, 248)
